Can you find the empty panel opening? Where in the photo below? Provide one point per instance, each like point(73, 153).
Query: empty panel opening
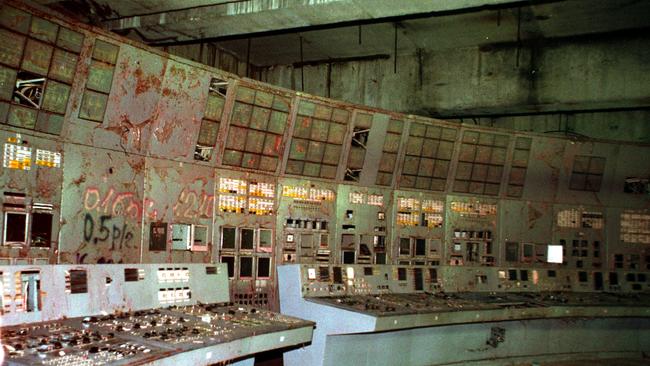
point(472, 252)
point(78, 281)
point(636, 185)
point(401, 274)
point(263, 267)
point(529, 252)
point(158, 236)
point(404, 246)
point(28, 295)
point(245, 267)
point(551, 273)
point(338, 275)
point(211, 120)
point(380, 258)
point(28, 89)
point(230, 263)
point(41, 233)
point(131, 275)
point(219, 86)
point(15, 228)
point(348, 257)
point(512, 274)
point(420, 247)
point(211, 270)
point(523, 275)
point(323, 274)
point(582, 276)
point(512, 252)
point(247, 239)
point(228, 237)
point(266, 240)
point(433, 273)
point(598, 281)
point(419, 279)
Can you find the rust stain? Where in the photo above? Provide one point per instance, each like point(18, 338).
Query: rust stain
point(79, 180)
point(145, 83)
point(138, 165)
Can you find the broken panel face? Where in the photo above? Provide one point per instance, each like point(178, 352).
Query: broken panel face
point(519, 166)
point(389, 153)
point(358, 146)
point(317, 143)
point(38, 62)
point(257, 125)
point(211, 122)
point(361, 222)
point(428, 157)
point(481, 163)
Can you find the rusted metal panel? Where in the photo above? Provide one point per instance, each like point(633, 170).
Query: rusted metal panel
point(32, 191)
point(56, 97)
point(177, 121)
point(100, 77)
point(22, 117)
point(93, 106)
point(133, 102)
point(11, 49)
point(106, 52)
point(103, 211)
point(70, 40)
point(178, 193)
point(14, 18)
point(63, 65)
point(37, 57)
point(49, 123)
point(257, 127)
point(7, 82)
point(44, 30)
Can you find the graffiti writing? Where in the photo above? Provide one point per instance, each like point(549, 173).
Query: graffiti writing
point(107, 230)
point(118, 204)
point(191, 205)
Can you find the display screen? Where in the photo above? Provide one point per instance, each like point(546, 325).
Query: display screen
point(554, 254)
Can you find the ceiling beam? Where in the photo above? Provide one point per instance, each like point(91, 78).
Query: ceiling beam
point(253, 18)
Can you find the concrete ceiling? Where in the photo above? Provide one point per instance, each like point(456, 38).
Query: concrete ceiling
point(335, 29)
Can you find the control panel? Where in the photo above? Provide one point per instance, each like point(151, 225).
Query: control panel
point(340, 280)
point(353, 301)
point(306, 221)
point(133, 314)
point(363, 228)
